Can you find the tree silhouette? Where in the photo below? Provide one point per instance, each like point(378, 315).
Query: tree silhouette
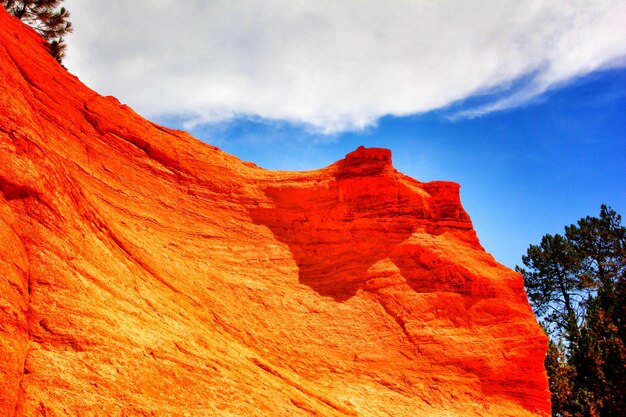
point(46, 18)
point(576, 284)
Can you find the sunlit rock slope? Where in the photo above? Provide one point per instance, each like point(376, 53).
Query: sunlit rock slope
point(144, 273)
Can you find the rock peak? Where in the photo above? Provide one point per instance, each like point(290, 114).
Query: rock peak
point(375, 154)
point(368, 161)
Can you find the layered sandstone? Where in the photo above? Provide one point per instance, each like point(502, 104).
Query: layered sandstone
point(144, 273)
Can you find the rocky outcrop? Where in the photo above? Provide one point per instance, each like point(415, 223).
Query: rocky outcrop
point(144, 273)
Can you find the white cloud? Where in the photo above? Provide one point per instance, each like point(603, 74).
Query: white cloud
point(335, 65)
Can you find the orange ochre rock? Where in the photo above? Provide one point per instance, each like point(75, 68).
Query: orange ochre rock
point(145, 273)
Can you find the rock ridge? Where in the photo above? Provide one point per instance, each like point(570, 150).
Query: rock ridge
point(144, 273)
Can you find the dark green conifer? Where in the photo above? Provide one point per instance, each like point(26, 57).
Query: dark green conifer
point(576, 284)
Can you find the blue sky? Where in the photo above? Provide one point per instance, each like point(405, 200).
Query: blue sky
point(521, 102)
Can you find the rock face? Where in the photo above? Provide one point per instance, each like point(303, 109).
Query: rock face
point(144, 273)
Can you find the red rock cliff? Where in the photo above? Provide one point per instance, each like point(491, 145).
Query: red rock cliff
point(144, 273)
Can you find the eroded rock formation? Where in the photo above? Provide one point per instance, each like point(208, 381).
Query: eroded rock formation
point(144, 273)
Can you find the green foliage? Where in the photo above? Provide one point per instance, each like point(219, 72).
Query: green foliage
point(561, 377)
point(553, 286)
point(46, 18)
point(576, 284)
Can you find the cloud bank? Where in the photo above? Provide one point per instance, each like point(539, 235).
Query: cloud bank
point(337, 65)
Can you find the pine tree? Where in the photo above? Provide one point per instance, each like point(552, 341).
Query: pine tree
point(576, 284)
point(560, 375)
point(46, 18)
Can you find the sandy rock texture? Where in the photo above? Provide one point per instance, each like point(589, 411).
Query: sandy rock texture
point(144, 273)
